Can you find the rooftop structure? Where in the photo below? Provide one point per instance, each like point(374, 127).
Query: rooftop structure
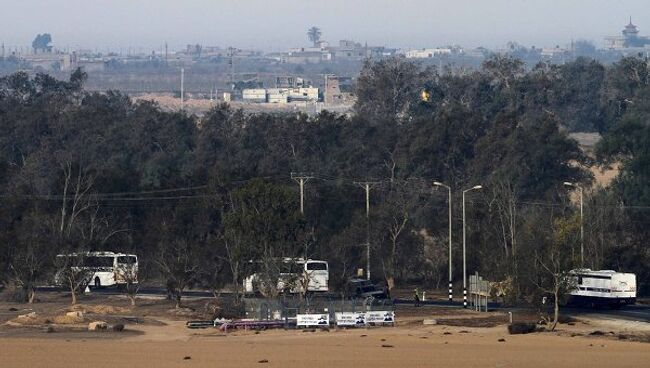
point(631, 31)
point(630, 38)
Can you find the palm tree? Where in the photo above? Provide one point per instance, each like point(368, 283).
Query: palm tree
point(314, 35)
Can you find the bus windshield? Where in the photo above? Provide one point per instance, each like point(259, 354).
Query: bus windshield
point(126, 260)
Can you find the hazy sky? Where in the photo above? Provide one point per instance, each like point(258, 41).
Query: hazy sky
point(277, 24)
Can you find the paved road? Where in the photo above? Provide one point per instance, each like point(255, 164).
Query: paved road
point(630, 312)
point(639, 313)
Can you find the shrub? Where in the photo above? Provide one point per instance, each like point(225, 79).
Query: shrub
point(519, 328)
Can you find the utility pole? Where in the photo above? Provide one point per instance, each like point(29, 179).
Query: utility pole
point(301, 178)
point(231, 61)
point(182, 87)
point(451, 283)
point(476, 187)
point(367, 185)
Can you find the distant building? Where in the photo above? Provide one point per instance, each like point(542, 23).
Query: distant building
point(338, 90)
point(552, 52)
point(427, 53)
point(306, 55)
point(49, 61)
point(630, 38)
point(280, 95)
point(289, 81)
point(346, 50)
point(254, 95)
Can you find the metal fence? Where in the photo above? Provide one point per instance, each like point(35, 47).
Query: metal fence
point(287, 307)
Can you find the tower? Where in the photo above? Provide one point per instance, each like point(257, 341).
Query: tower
point(631, 31)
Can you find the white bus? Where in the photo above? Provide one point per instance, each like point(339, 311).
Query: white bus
point(104, 268)
point(605, 287)
point(315, 272)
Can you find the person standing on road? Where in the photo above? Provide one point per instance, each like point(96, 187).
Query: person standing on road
point(416, 297)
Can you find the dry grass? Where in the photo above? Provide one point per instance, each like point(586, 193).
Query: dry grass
point(101, 309)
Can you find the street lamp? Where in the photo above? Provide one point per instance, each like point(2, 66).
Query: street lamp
point(439, 184)
point(582, 223)
point(476, 187)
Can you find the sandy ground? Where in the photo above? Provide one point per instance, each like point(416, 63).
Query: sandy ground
point(411, 346)
point(201, 106)
point(160, 339)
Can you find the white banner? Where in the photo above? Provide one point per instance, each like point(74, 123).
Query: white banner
point(380, 317)
point(312, 320)
point(351, 319)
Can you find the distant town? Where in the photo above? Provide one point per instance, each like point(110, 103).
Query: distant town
point(306, 77)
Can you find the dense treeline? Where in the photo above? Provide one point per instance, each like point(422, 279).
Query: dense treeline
point(198, 197)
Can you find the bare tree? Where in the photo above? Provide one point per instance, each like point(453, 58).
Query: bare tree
point(77, 183)
point(504, 203)
point(555, 263)
point(604, 225)
point(128, 273)
point(73, 272)
point(26, 267)
point(235, 253)
point(435, 256)
point(30, 260)
point(81, 225)
point(394, 218)
point(180, 265)
point(269, 280)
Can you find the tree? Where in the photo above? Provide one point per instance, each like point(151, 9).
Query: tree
point(42, 43)
point(388, 89)
point(314, 34)
point(555, 260)
point(31, 256)
point(72, 271)
point(392, 223)
point(179, 262)
point(584, 48)
point(107, 173)
point(129, 275)
point(262, 225)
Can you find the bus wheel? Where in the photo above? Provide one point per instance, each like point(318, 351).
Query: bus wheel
point(98, 283)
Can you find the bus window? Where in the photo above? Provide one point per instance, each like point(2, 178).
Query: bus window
point(98, 262)
point(126, 260)
point(316, 266)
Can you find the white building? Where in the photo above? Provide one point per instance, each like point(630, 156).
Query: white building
point(281, 95)
point(427, 53)
point(254, 95)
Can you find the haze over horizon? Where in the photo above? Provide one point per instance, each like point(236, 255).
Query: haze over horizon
point(278, 24)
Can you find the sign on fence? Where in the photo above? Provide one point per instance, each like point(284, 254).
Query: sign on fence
point(380, 317)
point(312, 320)
point(351, 319)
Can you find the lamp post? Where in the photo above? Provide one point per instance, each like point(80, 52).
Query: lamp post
point(439, 184)
point(476, 187)
point(582, 222)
